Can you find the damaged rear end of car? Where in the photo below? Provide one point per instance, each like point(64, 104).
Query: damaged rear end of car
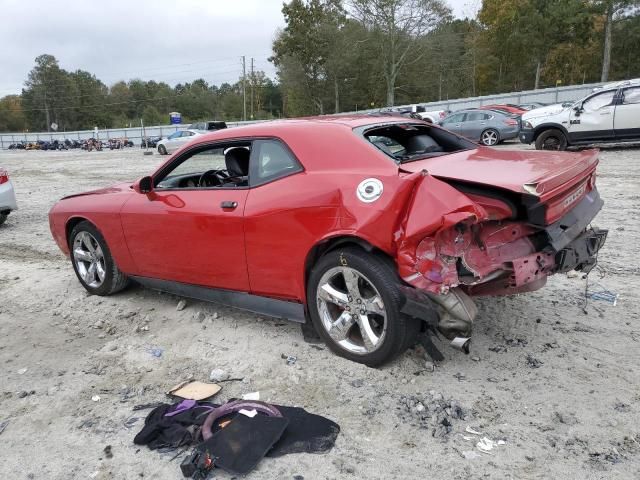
point(483, 222)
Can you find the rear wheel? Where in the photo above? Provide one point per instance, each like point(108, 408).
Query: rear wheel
point(354, 300)
point(552, 139)
point(162, 150)
point(3, 218)
point(92, 261)
point(490, 137)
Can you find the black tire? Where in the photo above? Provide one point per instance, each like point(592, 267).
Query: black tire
point(162, 150)
point(3, 217)
point(552, 139)
point(114, 279)
point(492, 133)
point(401, 330)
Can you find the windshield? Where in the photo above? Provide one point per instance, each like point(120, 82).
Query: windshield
point(409, 142)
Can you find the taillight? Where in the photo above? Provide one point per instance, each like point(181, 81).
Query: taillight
point(4, 177)
point(510, 121)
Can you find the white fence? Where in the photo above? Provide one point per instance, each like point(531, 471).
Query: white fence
point(545, 95)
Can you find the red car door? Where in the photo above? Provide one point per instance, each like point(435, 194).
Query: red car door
point(191, 235)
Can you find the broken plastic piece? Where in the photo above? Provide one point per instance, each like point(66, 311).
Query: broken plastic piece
point(471, 430)
point(249, 413)
point(251, 396)
point(195, 390)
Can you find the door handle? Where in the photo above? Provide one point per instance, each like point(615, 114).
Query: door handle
point(228, 205)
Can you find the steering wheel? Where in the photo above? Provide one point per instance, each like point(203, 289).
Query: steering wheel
point(214, 175)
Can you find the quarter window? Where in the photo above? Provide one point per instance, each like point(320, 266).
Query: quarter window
point(273, 160)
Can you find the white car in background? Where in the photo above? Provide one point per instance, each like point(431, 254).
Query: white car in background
point(177, 140)
point(7, 196)
point(610, 114)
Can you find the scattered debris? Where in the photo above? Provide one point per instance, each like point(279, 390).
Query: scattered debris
point(533, 362)
point(470, 454)
point(251, 396)
point(156, 351)
point(200, 316)
point(430, 410)
point(3, 425)
point(604, 295)
point(181, 305)
point(291, 359)
point(218, 375)
point(471, 430)
point(460, 376)
point(130, 423)
point(195, 390)
point(485, 445)
point(22, 371)
point(357, 383)
point(107, 452)
point(96, 398)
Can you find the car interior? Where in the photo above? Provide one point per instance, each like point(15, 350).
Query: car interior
point(229, 166)
point(408, 142)
point(212, 167)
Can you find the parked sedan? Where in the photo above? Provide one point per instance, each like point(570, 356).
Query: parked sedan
point(7, 196)
point(488, 127)
point(176, 141)
point(368, 227)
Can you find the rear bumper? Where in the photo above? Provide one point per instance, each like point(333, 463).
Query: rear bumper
point(582, 253)
point(526, 136)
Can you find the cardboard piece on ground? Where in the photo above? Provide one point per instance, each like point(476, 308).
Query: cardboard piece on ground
point(195, 390)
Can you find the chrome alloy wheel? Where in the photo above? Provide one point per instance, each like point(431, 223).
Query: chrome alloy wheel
point(490, 137)
point(89, 259)
point(351, 310)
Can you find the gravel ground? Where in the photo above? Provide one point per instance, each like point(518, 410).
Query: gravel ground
point(552, 383)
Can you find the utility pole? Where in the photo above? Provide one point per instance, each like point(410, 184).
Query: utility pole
point(244, 89)
point(252, 80)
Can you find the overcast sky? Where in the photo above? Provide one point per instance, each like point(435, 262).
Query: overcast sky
point(172, 41)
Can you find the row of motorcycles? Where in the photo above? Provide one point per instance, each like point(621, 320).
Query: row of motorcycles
point(88, 144)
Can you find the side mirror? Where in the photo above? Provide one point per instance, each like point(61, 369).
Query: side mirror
point(144, 185)
point(578, 108)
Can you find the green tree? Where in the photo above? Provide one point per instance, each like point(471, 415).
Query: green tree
point(396, 26)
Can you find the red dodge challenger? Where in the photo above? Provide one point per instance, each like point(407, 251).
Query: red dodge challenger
point(372, 228)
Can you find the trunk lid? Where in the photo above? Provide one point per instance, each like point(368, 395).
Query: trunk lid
point(548, 183)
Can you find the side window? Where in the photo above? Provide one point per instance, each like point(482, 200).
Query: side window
point(456, 118)
point(476, 116)
point(222, 166)
point(598, 101)
point(175, 135)
point(631, 96)
point(271, 160)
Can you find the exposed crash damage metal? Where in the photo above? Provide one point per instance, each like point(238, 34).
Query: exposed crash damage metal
point(456, 250)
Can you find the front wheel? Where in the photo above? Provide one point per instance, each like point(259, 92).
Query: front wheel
point(92, 261)
point(354, 301)
point(490, 137)
point(162, 150)
point(552, 139)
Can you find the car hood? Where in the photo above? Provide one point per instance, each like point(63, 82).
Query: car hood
point(529, 171)
point(117, 188)
point(544, 111)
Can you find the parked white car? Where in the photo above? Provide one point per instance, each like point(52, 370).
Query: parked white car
point(7, 196)
point(431, 116)
point(610, 114)
point(176, 140)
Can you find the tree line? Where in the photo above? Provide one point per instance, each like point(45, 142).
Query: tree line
point(345, 55)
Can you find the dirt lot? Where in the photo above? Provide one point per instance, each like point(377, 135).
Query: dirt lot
point(559, 384)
